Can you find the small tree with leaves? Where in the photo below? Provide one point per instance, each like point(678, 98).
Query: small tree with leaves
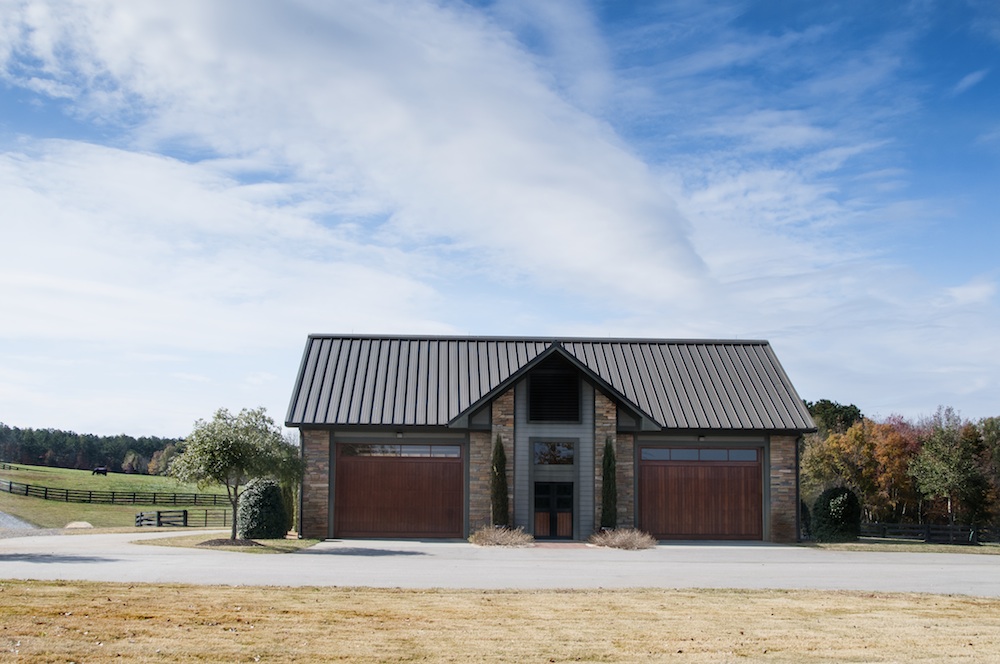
point(232, 449)
point(609, 487)
point(949, 466)
point(499, 503)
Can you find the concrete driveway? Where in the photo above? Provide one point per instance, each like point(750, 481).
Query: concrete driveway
point(457, 564)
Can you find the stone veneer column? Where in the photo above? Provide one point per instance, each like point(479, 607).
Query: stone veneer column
point(480, 458)
point(503, 425)
point(605, 427)
point(315, 515)
point(625, 467)
point(784, 527)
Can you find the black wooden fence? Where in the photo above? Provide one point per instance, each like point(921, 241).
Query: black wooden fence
point(114, 497)
point(185, 518)
point(930, 533)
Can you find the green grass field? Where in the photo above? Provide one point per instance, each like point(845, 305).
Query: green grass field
point(55, 514)
point(66, 478)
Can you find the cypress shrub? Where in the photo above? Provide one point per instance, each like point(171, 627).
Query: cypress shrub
point(499, 503)
point(261, 513)
point(609, 488)
point(836, 516)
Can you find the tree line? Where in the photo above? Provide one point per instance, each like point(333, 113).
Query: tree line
point(68, 449)
point(939, 469)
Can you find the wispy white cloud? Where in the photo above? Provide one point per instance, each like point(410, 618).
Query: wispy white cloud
point(979, 291)
point(969, 81)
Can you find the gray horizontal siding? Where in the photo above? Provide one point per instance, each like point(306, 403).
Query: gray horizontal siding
point(425, 381)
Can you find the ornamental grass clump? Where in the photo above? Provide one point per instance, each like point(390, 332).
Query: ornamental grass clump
point(631, 539)
point(501, 536)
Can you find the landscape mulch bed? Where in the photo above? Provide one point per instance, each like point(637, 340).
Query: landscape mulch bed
point(229, 542)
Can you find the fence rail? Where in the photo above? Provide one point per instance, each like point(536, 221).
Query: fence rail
point(930, 533)
point(185, 518)
point(114, 497)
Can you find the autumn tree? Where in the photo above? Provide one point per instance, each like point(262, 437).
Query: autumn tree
point(896, 444)
point(160, 461)
point(872, 459)
point(833, 417)
point(989, 431)
point(822, 464)
point(232, 449)
point(949, 466)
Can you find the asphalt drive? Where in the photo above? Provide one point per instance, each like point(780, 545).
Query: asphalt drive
point(10, 522)
point(458, 564)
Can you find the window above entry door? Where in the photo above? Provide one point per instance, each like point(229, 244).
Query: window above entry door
point(554, 453)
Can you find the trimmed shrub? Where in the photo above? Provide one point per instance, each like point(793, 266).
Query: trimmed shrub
point(836, 516)
point(623, 538)
point(262, 513)
point(501, 536)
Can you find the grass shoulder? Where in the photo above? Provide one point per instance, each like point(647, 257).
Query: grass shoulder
point(876, 544)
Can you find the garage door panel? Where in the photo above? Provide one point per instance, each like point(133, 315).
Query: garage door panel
point(398, 497)
point(701, 500)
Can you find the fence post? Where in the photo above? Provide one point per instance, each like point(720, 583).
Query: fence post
point(185, 518)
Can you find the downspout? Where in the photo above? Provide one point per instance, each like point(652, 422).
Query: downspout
point(302, 481)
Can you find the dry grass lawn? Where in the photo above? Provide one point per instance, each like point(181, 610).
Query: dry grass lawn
point(100, 622)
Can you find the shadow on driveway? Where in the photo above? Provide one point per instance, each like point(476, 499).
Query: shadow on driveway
point(51, 558)
point(357, 551)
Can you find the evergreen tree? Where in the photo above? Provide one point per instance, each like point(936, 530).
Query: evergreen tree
point(609, 488)
point(498, 486)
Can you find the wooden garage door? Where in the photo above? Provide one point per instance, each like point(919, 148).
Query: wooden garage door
point(398, 491)
point(701, 493)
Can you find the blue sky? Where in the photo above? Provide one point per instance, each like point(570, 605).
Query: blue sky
point(188, 189)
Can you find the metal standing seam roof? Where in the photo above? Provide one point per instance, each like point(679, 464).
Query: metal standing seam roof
point(432, 381)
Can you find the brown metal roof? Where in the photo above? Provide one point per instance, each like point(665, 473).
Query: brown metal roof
point(414, 381)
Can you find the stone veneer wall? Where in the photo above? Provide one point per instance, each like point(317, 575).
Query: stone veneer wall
point(316, 484)
point(784, 496)
point(480, 457)
point(625, 453)
point(503, 425)
point(605, 427)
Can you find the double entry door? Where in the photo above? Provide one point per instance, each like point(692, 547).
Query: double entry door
point(553, 510)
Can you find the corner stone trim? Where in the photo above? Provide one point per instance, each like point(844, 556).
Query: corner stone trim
point(784, 507)
point(316, 485)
